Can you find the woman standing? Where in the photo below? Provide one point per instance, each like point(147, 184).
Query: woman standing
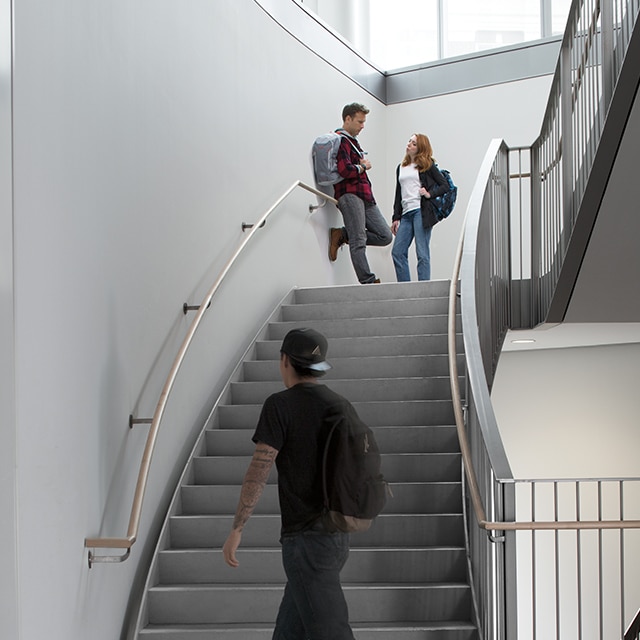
point(417, 180)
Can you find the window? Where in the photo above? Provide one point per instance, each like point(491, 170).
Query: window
point(404, 36)
point(402, 33)
point(470, 26)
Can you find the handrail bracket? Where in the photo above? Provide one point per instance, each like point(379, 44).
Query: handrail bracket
point(93, 559)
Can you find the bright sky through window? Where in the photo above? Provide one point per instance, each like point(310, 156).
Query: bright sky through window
point(404, 33)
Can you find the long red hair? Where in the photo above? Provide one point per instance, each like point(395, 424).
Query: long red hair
point(424, 157)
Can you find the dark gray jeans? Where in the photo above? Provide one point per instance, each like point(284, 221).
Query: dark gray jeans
point(313, 606)
point(365, 225)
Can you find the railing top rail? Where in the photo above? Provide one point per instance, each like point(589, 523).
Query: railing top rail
point(602, 480)
point(475, 205)
point(127, 541)
point(465, 273)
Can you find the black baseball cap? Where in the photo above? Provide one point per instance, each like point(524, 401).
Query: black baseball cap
point(306, 348)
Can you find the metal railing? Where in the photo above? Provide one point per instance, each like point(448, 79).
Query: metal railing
point(516, 517)
point(633, 631)
point(126, 542)
point(595, 43)
point(574, 543)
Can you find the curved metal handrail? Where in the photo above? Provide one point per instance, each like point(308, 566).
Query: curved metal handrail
point(127, 541)
point(473, 209)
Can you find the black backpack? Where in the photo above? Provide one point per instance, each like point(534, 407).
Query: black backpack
point(354, 488)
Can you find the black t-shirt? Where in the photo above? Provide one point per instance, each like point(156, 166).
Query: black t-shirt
point(292, 421)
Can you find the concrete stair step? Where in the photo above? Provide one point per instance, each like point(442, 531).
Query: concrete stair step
point(263, 530)
point(383, 291)
point(371, 346)
point(410, 325)
point(439, 630)
point(301, 312)
point(237, 442)
point(389, 565)
point(374, 413)
point(396, 467)
point(408, 497)
point(377, 602)
point(355, 368)
point(381, 388)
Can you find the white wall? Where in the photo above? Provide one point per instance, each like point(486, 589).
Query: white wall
point(144, 135)
point(569, 413)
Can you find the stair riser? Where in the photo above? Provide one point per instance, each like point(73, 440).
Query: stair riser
point(354, 310)
point(421, 467)
point(364, 565)
point(237, 442)
point(371, 346)
point(388, 530)
point(414, 632)
point(384, 291)
point(352, 369)
point(441, 497)
point(259, 604)
point(379, 386)
point(411, 326)
point(375, 414)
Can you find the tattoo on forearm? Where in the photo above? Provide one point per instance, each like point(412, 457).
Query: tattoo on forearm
point(254, 482)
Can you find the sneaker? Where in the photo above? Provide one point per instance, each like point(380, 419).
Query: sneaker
point(336, 240)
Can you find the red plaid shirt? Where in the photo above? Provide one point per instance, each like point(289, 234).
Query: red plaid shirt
point(348, 159)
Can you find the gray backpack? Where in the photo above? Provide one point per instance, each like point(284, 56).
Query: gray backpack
point(324, 153)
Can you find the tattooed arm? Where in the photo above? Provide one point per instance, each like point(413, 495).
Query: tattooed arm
point(252, 487)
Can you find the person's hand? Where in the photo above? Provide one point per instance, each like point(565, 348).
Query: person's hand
point(424, 192)
point(366, 164)
point(230, 547)
point(394, 226)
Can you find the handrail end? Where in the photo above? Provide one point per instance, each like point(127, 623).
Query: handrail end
point(108, 543)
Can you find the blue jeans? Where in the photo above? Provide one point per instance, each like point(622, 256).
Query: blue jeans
point(313, 606)
point(410, 228)
point(365, 225)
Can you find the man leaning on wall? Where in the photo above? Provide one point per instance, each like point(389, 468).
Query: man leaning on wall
point(364, 224)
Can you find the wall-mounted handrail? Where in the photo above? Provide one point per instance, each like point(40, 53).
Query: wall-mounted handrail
point(127, 541)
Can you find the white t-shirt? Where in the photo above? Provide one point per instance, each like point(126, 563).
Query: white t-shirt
point(409, 188)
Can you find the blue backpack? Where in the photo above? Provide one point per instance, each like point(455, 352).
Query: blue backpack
point(443, 205)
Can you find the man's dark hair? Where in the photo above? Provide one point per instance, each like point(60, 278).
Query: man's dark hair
point(352, 109)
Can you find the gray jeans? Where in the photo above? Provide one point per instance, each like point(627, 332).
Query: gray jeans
point(365, 225)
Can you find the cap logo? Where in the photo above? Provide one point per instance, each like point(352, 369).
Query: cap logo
point(316, 351)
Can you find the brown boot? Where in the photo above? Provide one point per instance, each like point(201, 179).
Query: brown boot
point(336, 240)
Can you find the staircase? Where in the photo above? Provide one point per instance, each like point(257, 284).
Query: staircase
point(406, 577)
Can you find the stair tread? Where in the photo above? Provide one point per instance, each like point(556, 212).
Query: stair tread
point(411, 624)
point(218, 586)
point(267, 549)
